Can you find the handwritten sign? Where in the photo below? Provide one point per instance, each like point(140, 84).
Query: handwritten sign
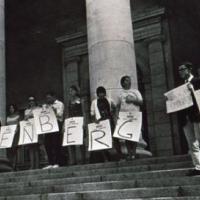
point(27, 132)
point(178, 99)
point(7, 134)
point(197, 97)
point(100, 136)
point(45, 120)
point(129, 126)
point(73, 134)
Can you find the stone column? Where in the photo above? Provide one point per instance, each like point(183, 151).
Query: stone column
point(161, 130)
point(4, 164)
point(110, 46)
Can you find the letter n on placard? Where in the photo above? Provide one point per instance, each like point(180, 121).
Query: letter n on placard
point(27, 132)
point(45, 121)
point(100, 136)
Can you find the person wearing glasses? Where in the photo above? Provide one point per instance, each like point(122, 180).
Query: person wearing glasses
point(191, 117)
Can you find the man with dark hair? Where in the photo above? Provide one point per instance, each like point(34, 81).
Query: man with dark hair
point(191, 117)
point(129, 100)
point(53, 141)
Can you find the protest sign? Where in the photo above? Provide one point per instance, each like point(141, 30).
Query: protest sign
point(45, 120)
point(7, 134)
point(129, 126)
point(197, 97)
point(178, 99)
point(100, 136)
point(73, 134)
point(27, 132)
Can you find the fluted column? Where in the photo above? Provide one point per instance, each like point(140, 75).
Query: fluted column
point(110, 44)
point(4, 164)
point(111, 48)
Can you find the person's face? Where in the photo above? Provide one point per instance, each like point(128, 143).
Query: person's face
point(184, 72)
point(127, 83)
point(11, 109)
point(101, 95)
point(50, 99)
point(72, 92)
point(32, 103)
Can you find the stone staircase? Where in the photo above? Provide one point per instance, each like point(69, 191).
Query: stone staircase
point(150, 178)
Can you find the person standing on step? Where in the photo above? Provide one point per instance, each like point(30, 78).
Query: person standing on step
point(76, 109)
point(191, 117)
point(129, 100)
point(53, 141)
point(13, 118)
point(103, 108)
point(32, 148)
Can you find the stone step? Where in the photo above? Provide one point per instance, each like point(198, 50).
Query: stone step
point(136, 162)
point(120, 194)
point(95, 186)
point(101, 172)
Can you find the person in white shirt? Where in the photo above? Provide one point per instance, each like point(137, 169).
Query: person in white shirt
point(53, 141)
point(129, 100)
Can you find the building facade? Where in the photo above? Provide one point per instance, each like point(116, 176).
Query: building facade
point(52, 45)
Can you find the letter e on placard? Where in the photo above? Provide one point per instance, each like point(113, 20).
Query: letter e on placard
point(73, 134)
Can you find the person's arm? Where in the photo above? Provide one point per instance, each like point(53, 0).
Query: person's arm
point(135, 98)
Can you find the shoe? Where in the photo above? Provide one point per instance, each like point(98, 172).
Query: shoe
point(48, 167)
point(193, 172)
point(55, 166)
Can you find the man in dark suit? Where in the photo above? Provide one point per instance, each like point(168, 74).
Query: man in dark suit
point(191, 118)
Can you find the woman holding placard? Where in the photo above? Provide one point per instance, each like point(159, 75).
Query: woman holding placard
point(33, 148)
point(75, 109)
point(13, 118)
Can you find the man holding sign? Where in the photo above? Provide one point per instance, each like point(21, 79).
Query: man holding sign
point(53, 140)
point(191, 117)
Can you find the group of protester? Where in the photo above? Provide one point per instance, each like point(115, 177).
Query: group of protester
point(102, 108)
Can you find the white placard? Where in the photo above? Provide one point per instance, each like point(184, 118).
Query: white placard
point(27, 132)
point(7, 134)
point(178, 99)
point(73, 134)
point(129, 126)
point(197, 97)
point(100, 136)
point(45, 120)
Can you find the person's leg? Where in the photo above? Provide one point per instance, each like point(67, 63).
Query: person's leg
point(71, 155)
point(117, 147)
point(193, 143)
point(48, 146)
point(131, 147)
point(31, 155)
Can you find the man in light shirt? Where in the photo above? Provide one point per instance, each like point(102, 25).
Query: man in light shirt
point(190, 117)
point(53, 141)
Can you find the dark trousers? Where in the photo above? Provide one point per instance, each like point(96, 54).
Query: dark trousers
point(53, 147)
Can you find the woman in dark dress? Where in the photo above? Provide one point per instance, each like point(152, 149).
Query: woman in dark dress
point(76, 154)
point(13, 118)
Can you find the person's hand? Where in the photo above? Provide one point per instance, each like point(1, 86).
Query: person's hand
point(130, 99)
point(97, 121)
point(190, 86)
